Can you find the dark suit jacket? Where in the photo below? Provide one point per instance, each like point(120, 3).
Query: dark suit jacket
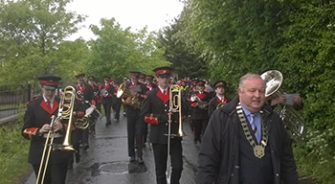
point(35, 117)
point(155, 106)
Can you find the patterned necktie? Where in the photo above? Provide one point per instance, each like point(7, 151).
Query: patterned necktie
point(254, 127)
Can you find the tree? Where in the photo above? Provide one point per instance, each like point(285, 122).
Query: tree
point(30, 32)
point(118, 50)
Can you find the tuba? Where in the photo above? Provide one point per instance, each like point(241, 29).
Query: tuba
point(65, 111)
point(293, 122)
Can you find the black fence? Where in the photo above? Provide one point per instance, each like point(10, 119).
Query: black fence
point(12, 99)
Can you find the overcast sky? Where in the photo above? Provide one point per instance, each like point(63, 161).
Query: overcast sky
point(137, 14)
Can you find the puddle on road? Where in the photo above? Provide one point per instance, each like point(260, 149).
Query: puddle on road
point(117, 168)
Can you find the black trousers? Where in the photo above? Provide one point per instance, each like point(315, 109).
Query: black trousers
point(199, 127)
point(135, 131)
point(116, 107)
point(107, 108)
point(55, 173)
point(176, 157)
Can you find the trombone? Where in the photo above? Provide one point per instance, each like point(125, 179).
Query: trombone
point(175, 106)
point(65, 111)
point(46, 153)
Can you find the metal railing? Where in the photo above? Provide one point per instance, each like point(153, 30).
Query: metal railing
point(11, 100)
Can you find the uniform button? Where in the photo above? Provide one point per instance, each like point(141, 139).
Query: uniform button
point(277, 174)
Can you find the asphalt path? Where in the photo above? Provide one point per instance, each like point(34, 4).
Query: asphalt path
point(106, 161)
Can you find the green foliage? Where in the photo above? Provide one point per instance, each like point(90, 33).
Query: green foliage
point(118, 50)
point(13, 152)
point(296, 37)
point(30, 32)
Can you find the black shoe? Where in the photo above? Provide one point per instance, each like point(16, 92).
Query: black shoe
point(140, 160)
point(132, 159)
point(108, 124)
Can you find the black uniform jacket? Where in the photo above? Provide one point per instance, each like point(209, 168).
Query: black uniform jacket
point(155, 112)
point(213, 104)
point(36, 115)
point(108, 99)
point(219, 152)
point(196, 111)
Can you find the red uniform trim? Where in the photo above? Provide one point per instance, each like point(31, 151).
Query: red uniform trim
point(151, 119)
point(162, 72)
point(201, 95)
point(163, 97)
point(30, 131)
point(46, 107)
point(49, 82)
point(194, 104)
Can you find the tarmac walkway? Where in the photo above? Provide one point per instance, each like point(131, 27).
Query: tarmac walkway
point(106, 161)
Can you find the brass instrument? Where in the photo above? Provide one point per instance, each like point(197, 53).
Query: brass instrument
point(123, 92)
point(175, 107)
point(104, 92)
point(65, 111)
point(84, 122)
point(201, 104)
point(220, 105)
point(46, 153)
point(293, 122)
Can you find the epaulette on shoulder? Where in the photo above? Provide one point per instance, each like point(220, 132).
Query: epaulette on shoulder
point(34, 98)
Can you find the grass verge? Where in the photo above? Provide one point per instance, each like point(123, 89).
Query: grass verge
point(13, 153)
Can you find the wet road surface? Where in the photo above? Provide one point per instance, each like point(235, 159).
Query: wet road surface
point(106, 161)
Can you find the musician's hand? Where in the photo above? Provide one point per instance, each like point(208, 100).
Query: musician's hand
point(44, 129)
point(57, 125)
point(278, 99)
point(173, 110)
point(127, 100)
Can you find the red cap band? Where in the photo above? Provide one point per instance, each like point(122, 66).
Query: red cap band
point(162, 72)
point(43, 82)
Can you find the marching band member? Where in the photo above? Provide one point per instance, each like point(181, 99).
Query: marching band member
point(36, 125)
point(219, 100)
point(155, 109)
point(116, 102)
point(134, 121)
point(86, 96)
point(107, 95)
point(199, 111)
